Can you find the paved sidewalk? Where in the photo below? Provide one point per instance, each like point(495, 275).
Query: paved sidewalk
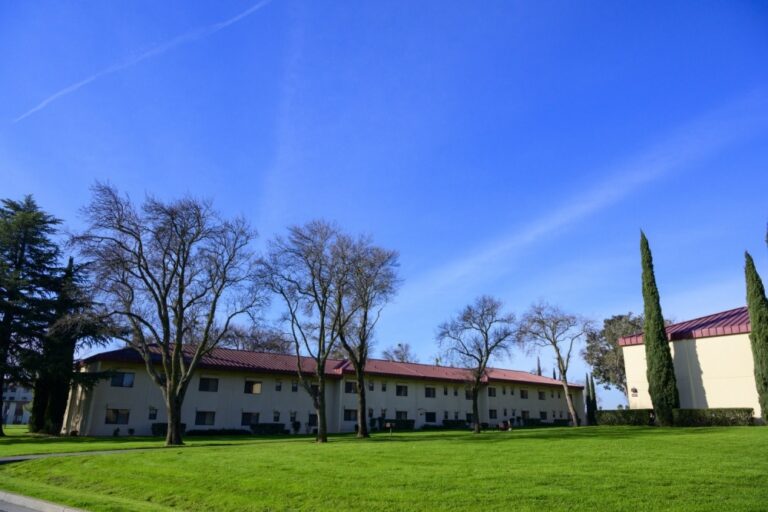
point(22, 458)
point(10, 502)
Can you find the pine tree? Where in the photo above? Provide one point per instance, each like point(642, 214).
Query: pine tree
point(758, 319)
point(28, 257)
point(588, 399)
point(593, 394)
point(73, 323)
point(662, 385)
point(538, 366)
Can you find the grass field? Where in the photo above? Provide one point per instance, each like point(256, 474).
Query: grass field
point(20, 442)
point(599, 468)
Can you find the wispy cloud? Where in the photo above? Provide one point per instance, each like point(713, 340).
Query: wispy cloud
point(693, 142)
point(156, 50)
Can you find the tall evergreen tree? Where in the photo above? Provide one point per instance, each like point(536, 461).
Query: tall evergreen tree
point(28, 256)
point(758, 319)
point(538, 366)
point(73, 322)
point(593, 394)
point(662, 385)
point(588, 399)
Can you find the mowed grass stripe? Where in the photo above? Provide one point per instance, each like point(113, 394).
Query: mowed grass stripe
point(602, 468)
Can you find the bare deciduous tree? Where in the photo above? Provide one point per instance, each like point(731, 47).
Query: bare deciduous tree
point(309, 271)
point(546, 326)
point(478, 333)
point(259, 339)
point(373, 280)
point(173, 276)
point(400, 353)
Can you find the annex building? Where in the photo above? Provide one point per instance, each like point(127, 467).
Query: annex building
point(713, 363)
point(237, 388)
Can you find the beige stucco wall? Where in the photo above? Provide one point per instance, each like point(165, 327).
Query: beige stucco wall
point(710, 372)
point(87, 408)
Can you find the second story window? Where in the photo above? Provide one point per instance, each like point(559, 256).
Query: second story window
point(429, 392)
point(294, 386)
point(524, 394)
point(252, 387)
point(122, 380)
point(492, 392)
point(401, 390)
point(350, 386)
point(542, 395)
point(208, 384)
point(278, 385)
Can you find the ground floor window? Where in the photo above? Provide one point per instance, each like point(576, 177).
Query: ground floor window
point(276, 416)
point(205, 418)
point(469, 417)
point(401, 415)
point(249, 418)
point(492, 414)
point(525, 414)
point(543, 415)
point(152, 413)
point(430, 417)
point(445, 415)
point(117, 416)
point(312, 420)
point(350, 415)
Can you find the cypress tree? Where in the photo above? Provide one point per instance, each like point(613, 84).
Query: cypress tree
point(594, 399)
point(758, 319)
point(662, 385)
point(588, 399)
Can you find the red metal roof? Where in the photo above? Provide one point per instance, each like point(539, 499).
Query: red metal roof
point(264, 362)
point(733, 321)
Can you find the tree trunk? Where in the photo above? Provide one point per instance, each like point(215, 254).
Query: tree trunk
point(40, 399)
point(322, 423)
point(362, 418)
point(569, 401)
point(2, 388)
point(475, 409)
point(173, 408)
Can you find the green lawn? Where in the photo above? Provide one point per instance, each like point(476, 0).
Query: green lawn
point(599, 468)
point(19, 441)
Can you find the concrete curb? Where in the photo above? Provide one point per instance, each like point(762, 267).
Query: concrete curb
point(35, 504)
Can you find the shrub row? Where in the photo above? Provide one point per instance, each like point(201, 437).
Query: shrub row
point(269, 429)
point(625, 417)
point(220, 432)
point(462, 424)
point(712, 417)
point(161, 429)
point(400, 424)
point(680, 417)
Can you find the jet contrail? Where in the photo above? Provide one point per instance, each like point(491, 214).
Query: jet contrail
point(152, 52)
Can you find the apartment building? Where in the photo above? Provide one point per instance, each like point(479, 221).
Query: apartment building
point(237, 388)
point(713, 363)
point(16, 402)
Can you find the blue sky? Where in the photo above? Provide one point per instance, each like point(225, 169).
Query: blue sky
point(508, 148)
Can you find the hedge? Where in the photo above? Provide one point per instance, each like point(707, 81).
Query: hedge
point(625, 417)
point(220, 432)
point(400, 424)
point(531, 422)
point(455, 424)
point(713, 417)
point(161, 429)
point(268, 429)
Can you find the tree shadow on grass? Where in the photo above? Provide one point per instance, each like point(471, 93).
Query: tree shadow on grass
point(542, 434)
